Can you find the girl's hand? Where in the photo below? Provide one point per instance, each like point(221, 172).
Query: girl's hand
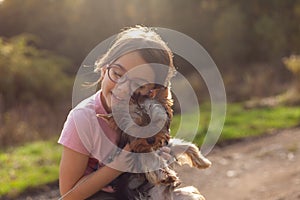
point(165, 153)
point(108, 189)
point(127, 148)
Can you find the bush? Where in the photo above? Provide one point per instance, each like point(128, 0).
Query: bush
point(292, 63)
point(29, 74)
point(34, 90)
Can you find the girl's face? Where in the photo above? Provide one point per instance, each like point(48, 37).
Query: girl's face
point(130, 71)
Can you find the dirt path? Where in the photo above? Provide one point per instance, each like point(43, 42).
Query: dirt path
point(266, 168)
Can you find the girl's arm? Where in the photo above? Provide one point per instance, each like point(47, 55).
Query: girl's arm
point(72, 168)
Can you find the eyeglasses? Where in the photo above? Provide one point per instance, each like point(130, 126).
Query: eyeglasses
point(117, 74)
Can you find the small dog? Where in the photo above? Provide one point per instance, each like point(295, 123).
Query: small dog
point(163, 182)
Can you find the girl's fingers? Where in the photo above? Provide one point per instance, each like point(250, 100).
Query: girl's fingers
point(108, 189)
point(166, 149)
point(166, 156)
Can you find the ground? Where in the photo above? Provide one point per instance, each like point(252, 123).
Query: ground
point(266, 168)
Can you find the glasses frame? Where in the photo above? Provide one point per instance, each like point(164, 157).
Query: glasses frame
point(134, 83)
point(120, 80)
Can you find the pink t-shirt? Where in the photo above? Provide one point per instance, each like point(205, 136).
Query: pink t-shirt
point(85, 133)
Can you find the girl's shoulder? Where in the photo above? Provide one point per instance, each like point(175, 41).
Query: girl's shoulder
point(88, 103)
point(85, 107)
point(82, 113)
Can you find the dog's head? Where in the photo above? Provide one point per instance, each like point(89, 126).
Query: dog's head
point(152, 114)
point(153, 109)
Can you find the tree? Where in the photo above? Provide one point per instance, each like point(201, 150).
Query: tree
point(229, 34)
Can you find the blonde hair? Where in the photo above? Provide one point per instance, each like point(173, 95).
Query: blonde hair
point(148, 44)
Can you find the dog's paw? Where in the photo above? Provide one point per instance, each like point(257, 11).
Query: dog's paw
point(169, 177)
point(187, 193)
point(188, 153)
point(200, 161)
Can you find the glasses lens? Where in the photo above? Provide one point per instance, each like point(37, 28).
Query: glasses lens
point(115, 73)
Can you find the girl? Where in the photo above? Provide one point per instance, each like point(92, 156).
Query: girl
point(85, 138)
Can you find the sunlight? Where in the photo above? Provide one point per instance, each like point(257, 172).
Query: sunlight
point(135, 33)
point(1, 1)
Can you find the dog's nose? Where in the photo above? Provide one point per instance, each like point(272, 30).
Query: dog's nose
point(166, 143)
point(151, 140)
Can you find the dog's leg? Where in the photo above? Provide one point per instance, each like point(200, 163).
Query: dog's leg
point(188, 153)
point(162, 192)
point(187, 193)
point(163, 176)
point(157, 170)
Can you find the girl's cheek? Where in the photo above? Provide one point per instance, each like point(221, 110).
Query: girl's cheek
point(108, 84)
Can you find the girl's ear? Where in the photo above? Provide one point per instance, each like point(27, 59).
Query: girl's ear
point(102, 74)
point(103, 71)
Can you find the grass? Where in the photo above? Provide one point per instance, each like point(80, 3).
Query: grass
point(244, 123)
point(241, 123)
point(26, 166)
point(37, 163)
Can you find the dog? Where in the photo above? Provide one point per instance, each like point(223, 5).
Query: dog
point(163, 182)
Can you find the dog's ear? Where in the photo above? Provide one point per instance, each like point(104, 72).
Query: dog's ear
point(159, 93)
point(163, 96)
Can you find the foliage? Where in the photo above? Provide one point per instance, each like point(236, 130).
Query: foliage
point(238, 34)
point(242, 30)
point(292, 95)
point(230, 42)
point(33, 86)
point(292, 63)
point(35, 121)
point(29, 74)
point(26, 166)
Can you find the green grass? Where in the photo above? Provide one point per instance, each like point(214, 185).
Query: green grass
point(26, 166)
point(241, 123)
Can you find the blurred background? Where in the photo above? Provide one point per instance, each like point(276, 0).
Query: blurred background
point(255, 45)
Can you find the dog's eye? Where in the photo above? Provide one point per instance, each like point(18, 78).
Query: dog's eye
point(150, 140)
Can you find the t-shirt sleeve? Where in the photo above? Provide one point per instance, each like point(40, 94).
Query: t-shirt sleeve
point(69, 136)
